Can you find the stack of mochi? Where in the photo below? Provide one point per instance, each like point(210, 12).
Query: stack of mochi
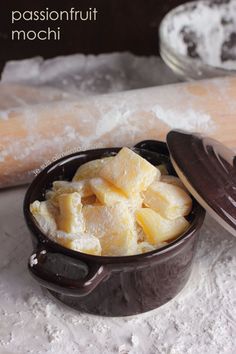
point(115, 206)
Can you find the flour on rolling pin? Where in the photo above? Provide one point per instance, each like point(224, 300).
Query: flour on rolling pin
point(33, 135)
point(17, 95)
point(87, 75)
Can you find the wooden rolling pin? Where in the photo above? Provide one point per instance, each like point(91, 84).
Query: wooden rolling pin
point(34, 135)
point(15, 95)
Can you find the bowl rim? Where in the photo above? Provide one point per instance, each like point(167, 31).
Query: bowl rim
point(44, 240)
point(196, 62)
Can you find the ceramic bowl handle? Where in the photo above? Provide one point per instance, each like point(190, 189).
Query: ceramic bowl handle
point(96, 273)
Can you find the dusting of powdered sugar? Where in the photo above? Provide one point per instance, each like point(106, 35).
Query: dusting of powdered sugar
point(201, 319)
point(53, 333)
point(188, 120)
point(204, 30)
point(33, 260)
point(89, 74)
point(112, 116)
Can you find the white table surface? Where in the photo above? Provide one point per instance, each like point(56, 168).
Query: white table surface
point(202, 319)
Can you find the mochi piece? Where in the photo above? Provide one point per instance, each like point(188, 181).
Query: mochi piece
point(158, 229)
point(106, 193)
point(129, 172)
point(144, 247)
point(84, 243)
point(64, 187)
point(173, 180)
point(90, 169)
point(70, 218)
point(167, 199)
point(44, 214)
point(114, 226)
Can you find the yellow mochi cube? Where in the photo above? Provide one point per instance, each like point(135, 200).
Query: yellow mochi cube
point(64, 187)
point(82, 187)
point(158, 176)
point(45, 214)
point(90, 169)
point(86, 244)
point(70, 218)
point(135, 202)
point(129, 172)
point(106, 193)
point(158, 229)
point(173, 180)
point(167, 199)
point(144, 247)
point(114, 226)
point(78, 242)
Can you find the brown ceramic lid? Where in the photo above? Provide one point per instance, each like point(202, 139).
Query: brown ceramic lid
point(208, 170)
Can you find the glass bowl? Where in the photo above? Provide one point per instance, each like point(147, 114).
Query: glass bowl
point(198, 39)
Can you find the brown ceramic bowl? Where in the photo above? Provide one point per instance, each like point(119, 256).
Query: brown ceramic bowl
point(110, 286)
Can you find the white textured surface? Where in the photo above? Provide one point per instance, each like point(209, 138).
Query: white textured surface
point(202, 319)
point(90, 74)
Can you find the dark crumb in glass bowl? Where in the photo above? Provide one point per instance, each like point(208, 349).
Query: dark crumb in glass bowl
point(228, 50)
point(191, 41)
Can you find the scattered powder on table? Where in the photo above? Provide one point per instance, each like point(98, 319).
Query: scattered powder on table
point(53, 333)
point(201, 319)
